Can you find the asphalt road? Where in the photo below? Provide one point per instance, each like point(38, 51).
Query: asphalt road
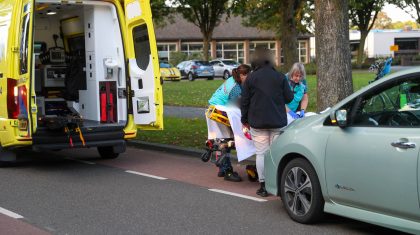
point(87, 195)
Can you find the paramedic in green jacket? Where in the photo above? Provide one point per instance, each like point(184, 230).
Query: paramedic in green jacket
point(297, 82)
point(229, 93)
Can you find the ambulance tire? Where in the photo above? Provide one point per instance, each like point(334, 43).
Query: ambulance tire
point(107, 152)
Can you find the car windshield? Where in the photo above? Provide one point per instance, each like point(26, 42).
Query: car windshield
point(230, 62)
point(202, 63)
point(165, 65)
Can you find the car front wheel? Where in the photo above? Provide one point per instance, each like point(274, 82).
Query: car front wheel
point(226, 75)
point(301, 192)
point(190, 77)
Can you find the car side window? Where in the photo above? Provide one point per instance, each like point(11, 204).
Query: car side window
point(395, 105)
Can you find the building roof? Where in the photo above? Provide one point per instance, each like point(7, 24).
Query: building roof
point(232, 29)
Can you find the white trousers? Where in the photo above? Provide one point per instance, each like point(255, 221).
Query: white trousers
point(263, 138)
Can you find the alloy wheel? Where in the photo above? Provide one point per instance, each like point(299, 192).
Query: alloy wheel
point(298, 191)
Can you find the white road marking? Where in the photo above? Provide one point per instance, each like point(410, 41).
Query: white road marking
point(237, 195)
point(10, 213)
point(147, 175)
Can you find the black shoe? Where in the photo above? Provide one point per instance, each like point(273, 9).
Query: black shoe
point(232, 176)
point(261, 191)
point(220, 174)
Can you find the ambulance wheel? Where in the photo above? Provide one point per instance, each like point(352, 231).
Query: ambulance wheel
point(107, 152)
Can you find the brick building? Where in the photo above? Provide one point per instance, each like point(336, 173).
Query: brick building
point(231, 40)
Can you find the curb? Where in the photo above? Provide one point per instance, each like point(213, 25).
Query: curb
point(165, 148)
point(178, 150)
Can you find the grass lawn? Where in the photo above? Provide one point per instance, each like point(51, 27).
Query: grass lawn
point(193, 132)
point(198, 92)
point(178, 131)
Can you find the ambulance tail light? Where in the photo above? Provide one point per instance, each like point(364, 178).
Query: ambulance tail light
point(23, 108)
point(12, 99)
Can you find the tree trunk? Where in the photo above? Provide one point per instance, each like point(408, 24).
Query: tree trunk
point(289, 42)
point(206, 41)
point(361, 50)
point(332, 49)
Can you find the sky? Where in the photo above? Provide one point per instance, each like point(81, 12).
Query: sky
point(396, 14)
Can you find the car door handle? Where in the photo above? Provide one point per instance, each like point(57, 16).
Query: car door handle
point(403, 145)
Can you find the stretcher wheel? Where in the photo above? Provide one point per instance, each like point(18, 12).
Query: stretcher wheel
point(205, 157)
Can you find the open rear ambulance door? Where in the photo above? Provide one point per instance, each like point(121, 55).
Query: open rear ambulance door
point(22, 105)
point(143, 64)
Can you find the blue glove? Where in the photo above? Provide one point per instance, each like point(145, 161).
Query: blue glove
point(302, 113)
point(293, 114)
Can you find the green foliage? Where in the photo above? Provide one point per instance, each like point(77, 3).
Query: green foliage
point(310, 68)
point(194, 94)
point(177, 57)
point(178, 131)
point(197, 56)
point(197, 93)
point(205, 14)
point(382, 21)
point(161, 13)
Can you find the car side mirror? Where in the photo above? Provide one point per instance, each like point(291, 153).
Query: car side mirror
point(221, 65)
point(341, 117)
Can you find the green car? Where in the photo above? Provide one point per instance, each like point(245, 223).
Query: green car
point(359, 159)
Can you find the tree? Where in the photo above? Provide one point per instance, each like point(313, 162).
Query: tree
point(333, 56)
point(403, 25)
point(284, 17)
point(205, 14)
point(363, 15)
point(382, 21)
point(409, 4)
point(161, 13)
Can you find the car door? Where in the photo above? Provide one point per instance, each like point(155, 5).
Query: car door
point(217, 69)
point(373, 162)
point(181, 68)
point(143, 64)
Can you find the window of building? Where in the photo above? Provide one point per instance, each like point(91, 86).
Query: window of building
point(230, 50)
point(302, 48)
point(269, 45)
point(302, 51)
point(165, 49)
point(407, 43)
point(193, 47)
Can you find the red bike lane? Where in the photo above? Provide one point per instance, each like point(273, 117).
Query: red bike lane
point(176, 167)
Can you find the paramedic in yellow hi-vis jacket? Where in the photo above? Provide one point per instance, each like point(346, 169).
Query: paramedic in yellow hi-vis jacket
point(227, 95)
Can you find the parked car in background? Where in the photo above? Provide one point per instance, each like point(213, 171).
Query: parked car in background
point(193, 69)
point(359, 159)
point(169, 72)
point(223, 68)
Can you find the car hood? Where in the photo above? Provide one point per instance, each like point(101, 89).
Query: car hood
point(307, 122)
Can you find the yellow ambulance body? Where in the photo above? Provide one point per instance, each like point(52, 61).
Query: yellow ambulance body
point(77, 73)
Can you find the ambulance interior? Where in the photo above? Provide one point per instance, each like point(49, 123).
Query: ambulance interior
point(79, 64)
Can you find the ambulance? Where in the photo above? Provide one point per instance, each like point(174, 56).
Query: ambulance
point(77, 73)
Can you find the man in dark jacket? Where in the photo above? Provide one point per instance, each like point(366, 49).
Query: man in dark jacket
point(264, 96)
